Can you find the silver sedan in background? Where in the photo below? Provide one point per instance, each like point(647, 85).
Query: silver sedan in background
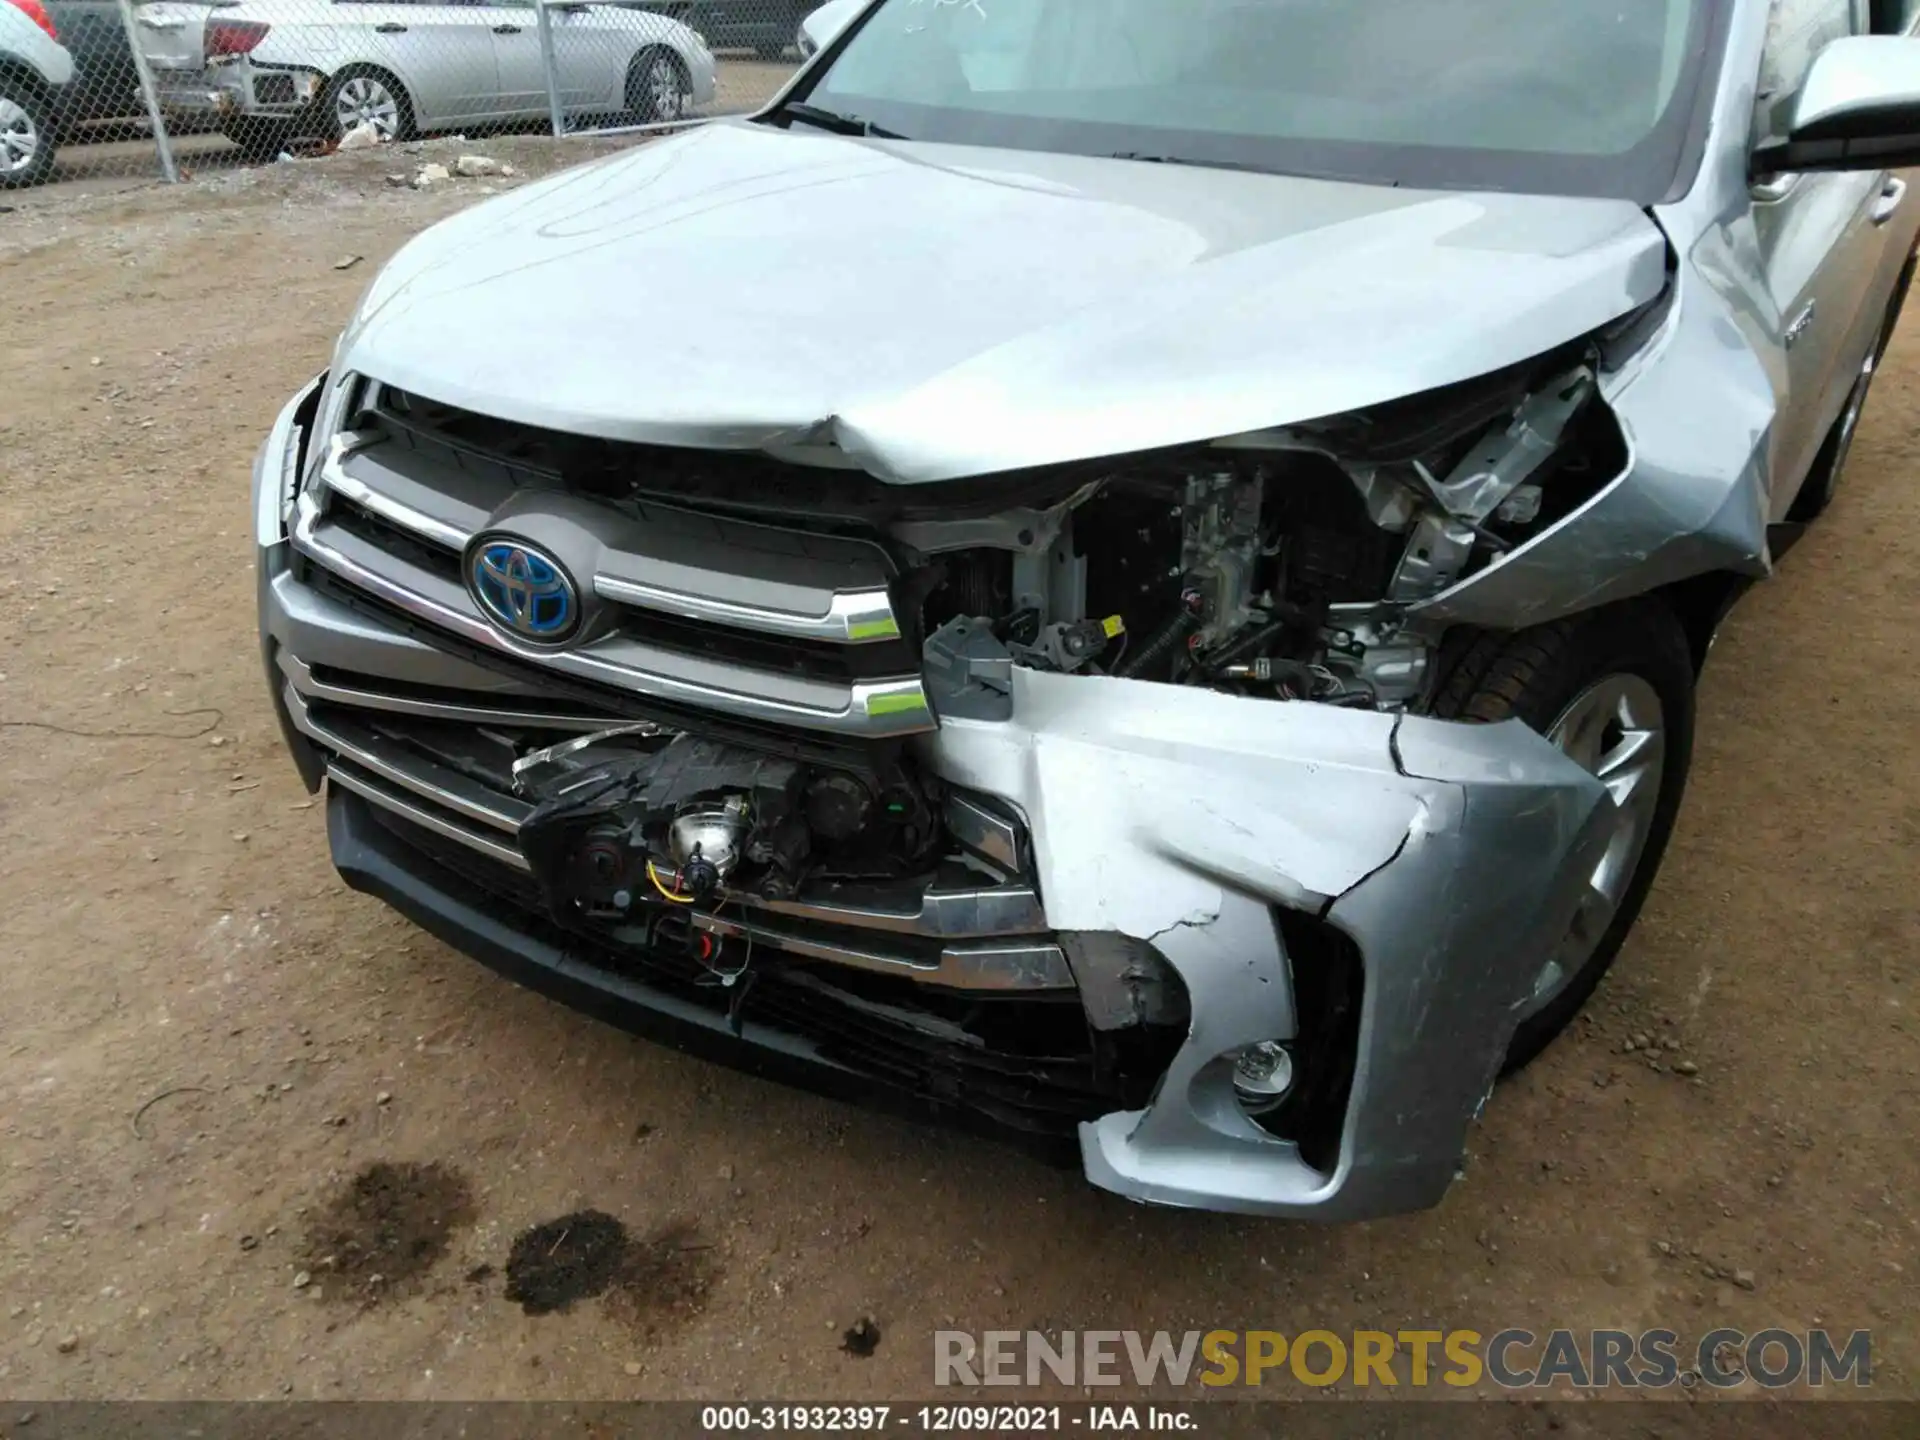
point(271, 70)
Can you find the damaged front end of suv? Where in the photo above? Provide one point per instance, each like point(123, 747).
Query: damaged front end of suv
point(1209, 707)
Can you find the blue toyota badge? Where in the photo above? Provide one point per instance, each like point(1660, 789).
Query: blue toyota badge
point(524, 591)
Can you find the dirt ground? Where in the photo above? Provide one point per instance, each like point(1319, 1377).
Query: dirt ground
point(259, 1137)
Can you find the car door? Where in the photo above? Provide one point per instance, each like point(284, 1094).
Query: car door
point(515, 32)
point(442, 54)
point(1822, 240)
point(592, 45)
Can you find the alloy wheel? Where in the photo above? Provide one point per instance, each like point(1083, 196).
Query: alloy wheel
point(665, 99)
point(1616, 730)
point(20, 138)
point(364, 99)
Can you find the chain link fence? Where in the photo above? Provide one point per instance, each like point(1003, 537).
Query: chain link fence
point(155, 87)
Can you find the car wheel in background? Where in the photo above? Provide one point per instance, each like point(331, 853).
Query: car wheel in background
point(1613, 689)
point(26, 135)
point(364, 95)
point(658, 87)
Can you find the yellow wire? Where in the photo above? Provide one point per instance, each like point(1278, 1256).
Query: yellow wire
point(658, 884)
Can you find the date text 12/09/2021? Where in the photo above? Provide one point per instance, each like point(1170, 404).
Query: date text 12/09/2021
point(948, 1419)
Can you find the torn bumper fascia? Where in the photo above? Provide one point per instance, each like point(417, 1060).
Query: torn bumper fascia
point(1453, 855)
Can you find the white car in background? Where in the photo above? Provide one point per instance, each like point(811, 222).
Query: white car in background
point(274, 70)
point(35, 69)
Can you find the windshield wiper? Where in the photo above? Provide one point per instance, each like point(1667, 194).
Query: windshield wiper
point(1184, 160)
point(822, 118)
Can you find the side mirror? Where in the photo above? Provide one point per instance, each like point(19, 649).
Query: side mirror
point(1858, 109)
point(824, 25)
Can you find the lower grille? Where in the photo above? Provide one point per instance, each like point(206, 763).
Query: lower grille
point(442, 765)
point(1024, 1061)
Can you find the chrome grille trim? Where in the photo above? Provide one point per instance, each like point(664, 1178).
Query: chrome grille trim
point(874, 709)
point(390, 508)
point(313, 687)
point(445, 788)
point(858, 617)
point(1037, 965)
point(852, 617)
point(341, 773)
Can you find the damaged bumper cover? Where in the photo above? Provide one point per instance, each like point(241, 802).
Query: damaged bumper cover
point(240, 87)
point(1451, 856)
point(1252, 845)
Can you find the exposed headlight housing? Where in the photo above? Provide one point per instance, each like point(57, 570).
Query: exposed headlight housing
point(338, 396)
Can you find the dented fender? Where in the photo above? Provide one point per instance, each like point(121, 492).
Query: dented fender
point(1451, 854)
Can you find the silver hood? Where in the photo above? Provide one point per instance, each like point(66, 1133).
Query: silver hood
point(940, 311)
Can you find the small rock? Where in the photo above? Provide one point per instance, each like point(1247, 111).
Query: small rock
point(1744, 1279)
point(94, 361)
point(1773, 1182)
point(1642, 1039)
point(239, 837)
point(474, 167)
point(399, 182)
point(385, 1097)
point(26, 1417)
point(726, 1172)
point(1630, 1046)
point(67, 1343)
point(347, 262)
point(1663, 1247)
point(430, 174)
point(361, 137)
point(1686, 1067)
point(632, 1367)
point(302, 1280)
point(508, 171)
point(248, 1242)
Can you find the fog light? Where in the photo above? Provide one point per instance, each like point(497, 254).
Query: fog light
point(1262, 1076)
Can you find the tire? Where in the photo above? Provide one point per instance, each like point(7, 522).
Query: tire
point(366, 91)
point(1823, 479)
point(1630, 660)
point(258, 139)
point(658, 88)
point(28, 136)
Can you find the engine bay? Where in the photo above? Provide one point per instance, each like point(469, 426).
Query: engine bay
point(1278, 564)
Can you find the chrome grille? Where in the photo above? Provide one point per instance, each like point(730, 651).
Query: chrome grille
point(771, 625)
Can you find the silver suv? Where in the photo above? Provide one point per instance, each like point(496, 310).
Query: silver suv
point(1155, 604)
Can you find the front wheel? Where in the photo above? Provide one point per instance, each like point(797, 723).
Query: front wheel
point(658, 88)
point(26, 136)
point(1613, 690)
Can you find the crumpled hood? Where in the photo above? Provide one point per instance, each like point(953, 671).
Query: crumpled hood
point(942, 311)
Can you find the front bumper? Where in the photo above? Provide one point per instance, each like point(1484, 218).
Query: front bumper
point(1250, 843)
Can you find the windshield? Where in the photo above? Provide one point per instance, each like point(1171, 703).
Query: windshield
point(1588, 97)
